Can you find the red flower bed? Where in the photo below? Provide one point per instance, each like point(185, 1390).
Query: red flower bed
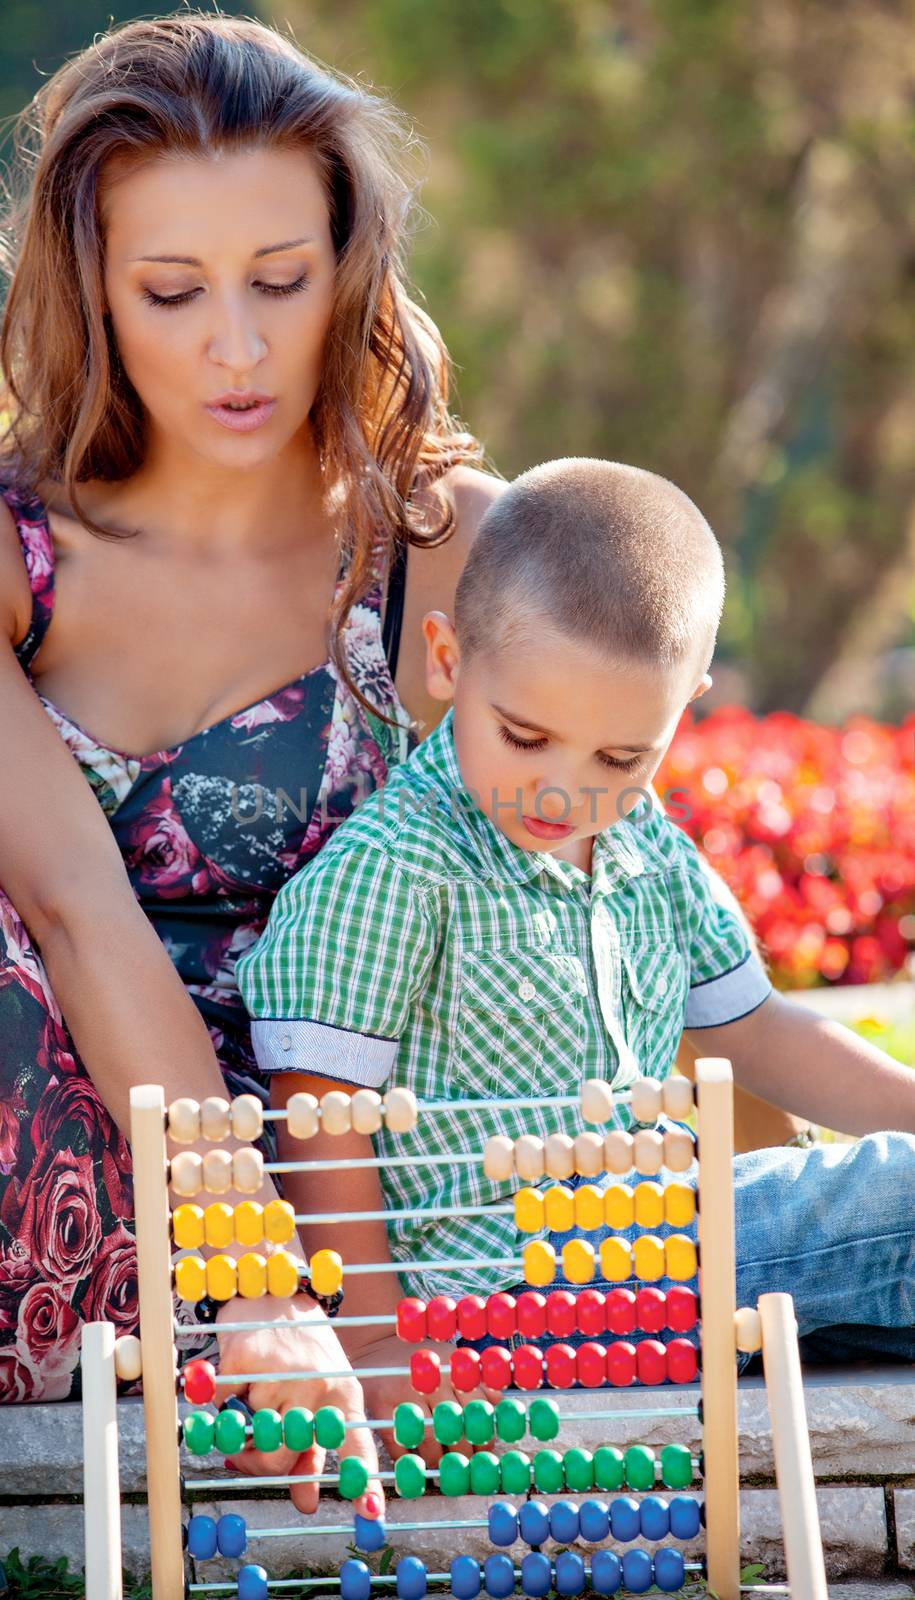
point(813, 828)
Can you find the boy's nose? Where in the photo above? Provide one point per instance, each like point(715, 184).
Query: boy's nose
point(554, 803)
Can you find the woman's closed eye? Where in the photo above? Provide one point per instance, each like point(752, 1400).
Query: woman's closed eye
point(540, 744)
point(183, 299)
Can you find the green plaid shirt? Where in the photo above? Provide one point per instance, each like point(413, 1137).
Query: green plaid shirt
point(421, 947)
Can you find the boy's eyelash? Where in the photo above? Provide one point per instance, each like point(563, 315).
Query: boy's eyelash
point(538, 744)
point(154, 299)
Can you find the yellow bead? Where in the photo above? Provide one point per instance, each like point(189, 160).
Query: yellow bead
point(191, 1278)
point(615, 1260)
point(279, 1221)
point(539, 1263)
point(184, 1121)
point(578, 1261)
point(648, 1258)
point(559, 1154)
point(559, 1206)
point(252, 1276)
point(336, 1112)
point(188, 1227)
point(648, 1152)
point(589, 1207)
point(679, 1150)
point(679, 1205)
point(619, 1206)
point(217, 1171)
point(530, 1164)
point(302, 1120)
point(498, 1158)
point(680, 1254)
point(282, 1275)
point(649, 1205)
point(222, 1277)
point(247, 1118)
point(186, 1173)
point(326, 1272)
point(618, 1151)
point(247, 1170)
point(215, 1118)
point(249, 1222)
point(589, 1154)
point(219, 1222)
point(529, 1211)
point(679, 1099)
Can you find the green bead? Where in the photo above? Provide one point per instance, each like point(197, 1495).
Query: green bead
point(409, 1476)
point(511, 1421)
point(298, 1428)
point(267, 1430)
point(409, 1425)
point(548, 1474)
point(448, 1422)
point(484, 1473)
point(330, 1427)
point(479, 1422)
point(199, 1429)
point(516, 1472)
point(230, 1432)
point(454, 1473)
point(354, 1477)
point(639, 1467)
point(578, 1466)
point(609, 1467)
point(544, 1419)
point(676, 1466)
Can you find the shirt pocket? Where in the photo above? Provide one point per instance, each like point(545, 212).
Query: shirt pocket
point(654, 1000)
point(521, 1023)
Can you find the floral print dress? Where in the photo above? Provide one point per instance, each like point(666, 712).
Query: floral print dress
point(209, 831)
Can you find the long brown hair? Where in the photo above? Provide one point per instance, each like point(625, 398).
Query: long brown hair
point(193, 83)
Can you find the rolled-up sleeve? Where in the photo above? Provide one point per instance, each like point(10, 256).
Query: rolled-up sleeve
point(726, 977)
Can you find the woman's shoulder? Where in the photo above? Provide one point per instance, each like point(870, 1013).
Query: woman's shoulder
point(469, 492)
point(16, 592)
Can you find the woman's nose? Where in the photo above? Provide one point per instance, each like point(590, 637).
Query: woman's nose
point(236, 343)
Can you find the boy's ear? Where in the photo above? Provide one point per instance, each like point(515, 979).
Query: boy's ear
point(702, 687)
point(442, 655)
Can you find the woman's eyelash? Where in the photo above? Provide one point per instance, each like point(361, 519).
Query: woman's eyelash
point(538, 744)
point(154, 299)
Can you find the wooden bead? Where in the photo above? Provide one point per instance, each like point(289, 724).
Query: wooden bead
point(619, 1206)
point(529, 1210)
point(191, 1278)
point(186, 1171)
point(589, 1154)
point(247, 1117)
point(539, 1263)
point(215, 1118)
point(579, 1261)
point(678, 1098)
point(219, 1225)
point(222, 1277)
point(282, 1274)
point(615, 1260)
point(188, 1230)
point(184, 1121)
point(217, 1171)
point(529, 1158)
point(648, 1151)
point(649, 1205)
point(589, 1207)
point(646, 1101)
point(279, 1221)
point(249, 1222)
point(679, 1205)
point(252, 1276)
point(747, 1330)
point(336, 1112)
point(618, 1151)
point(366, 1108)
point(559, 1154)
point(559, 1208)
point(302, 1118)
point(247, 1170)
point(679, 1150)
point(326, 1272)
point(680, 1258)
point(128, 1357)
point(648, 1258)
point(400, 1110)
point(597, 1103)
point(498, 1158)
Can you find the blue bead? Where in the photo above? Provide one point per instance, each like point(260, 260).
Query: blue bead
point(536, 1574)
point(369, 1533)
point(655, 1517)
point(231, 1537)
point(685, 1518)
point(669, 1570)
point(411, 1578)
point(594, 1521)
point(201, 1538)
point(465, 1578)
point(638, 1573)
point(355, 1580)
point(252, 1584)
point(606, 1572)
point(499, 1576)
point(534, 1522)
point(503, 1523)
point(625, 1522)
point(571, 1576)
point(563, 1522)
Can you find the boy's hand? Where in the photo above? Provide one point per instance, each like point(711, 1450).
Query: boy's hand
point(382, 1395)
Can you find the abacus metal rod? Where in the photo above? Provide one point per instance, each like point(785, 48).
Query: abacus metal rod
point(408, 1213)
point(564, 1416)
point(426, 1108)
point(217, 1488)
point(475, 1159)
point(390, 1578)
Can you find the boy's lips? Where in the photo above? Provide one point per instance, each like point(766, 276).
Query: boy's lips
point(547, 830)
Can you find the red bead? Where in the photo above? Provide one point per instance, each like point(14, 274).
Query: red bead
point(465, 1370)
point(531, 1315)
point(620, 1311)
point(441, 1317)
point(651, 1310)
point(682, 1309)
point(471, 1317)
point(591, 1308)
point(682, 1361)
point(560, 1313)
point(652, 1361)
point(425, 1371)
point(411, 1321)
point(621, 1363)
point(200, 1382)
point(527, 1364)
point(496, 1367)
point(501, 1316)
point(560, 1366)
point(591, 1365)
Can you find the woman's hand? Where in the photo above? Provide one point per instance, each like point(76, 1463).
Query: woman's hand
point(307, 1343)
point(382, 1395)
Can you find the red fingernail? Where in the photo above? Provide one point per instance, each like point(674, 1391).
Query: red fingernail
point(372, 1505)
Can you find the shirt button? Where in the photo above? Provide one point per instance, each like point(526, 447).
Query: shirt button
point(526, 990)
point(286, 1041)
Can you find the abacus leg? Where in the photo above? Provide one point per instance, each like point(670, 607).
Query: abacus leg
point(101, 1488)
point(793, 1464)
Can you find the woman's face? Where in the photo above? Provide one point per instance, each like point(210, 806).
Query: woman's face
point(219, 275)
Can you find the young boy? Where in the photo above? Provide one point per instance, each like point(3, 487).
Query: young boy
point(514, 913)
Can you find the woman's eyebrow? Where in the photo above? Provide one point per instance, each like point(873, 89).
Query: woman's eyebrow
point(532, 727)
point(192, 261)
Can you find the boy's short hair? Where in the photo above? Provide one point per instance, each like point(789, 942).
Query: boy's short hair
point(611, 555)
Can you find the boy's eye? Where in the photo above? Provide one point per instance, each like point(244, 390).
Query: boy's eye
point(619, 766)
point(154, 299)
point(520, 744)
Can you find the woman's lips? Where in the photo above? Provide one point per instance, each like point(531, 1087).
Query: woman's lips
point(547, 830)
point(243, 421)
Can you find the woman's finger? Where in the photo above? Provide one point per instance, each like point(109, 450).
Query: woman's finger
point(305, 1496)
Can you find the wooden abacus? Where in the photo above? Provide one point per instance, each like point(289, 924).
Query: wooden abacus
point(615, 1310)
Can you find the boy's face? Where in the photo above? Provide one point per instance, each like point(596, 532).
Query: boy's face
point(555, 740)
